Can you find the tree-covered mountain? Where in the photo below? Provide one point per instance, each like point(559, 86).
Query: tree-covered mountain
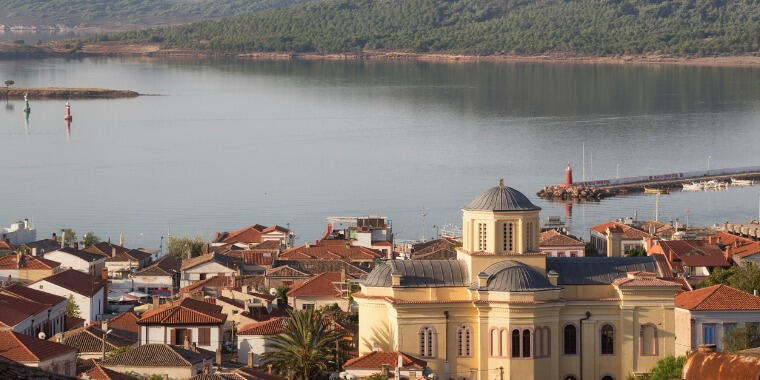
point(126, 12)
point(603, 27)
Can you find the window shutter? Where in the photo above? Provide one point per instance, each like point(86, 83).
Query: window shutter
point(173, 339)
point(204, 336)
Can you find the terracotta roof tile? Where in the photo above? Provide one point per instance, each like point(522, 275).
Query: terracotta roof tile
point(75, 281)
point(628, 231)
point(126, 321)
point(27, 262)
point(84, 255)
point(552, 238)
point(102, 373)
point(322, 284)
point(694, 253)
point(269, 327)
point(158, 355)
point(226, 261)
point(31, 294)
point(24, 348)
point(376, 359)
point(329, 251)
point(258, 375)
point(16, 310)
point(185, 311)
point(218, 281)
point(717, 297)
point(90, 339)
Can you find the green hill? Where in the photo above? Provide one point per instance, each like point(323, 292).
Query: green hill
point(121, 12)
point(603, 27)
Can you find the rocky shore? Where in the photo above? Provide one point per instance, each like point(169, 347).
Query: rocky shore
point(67, 93)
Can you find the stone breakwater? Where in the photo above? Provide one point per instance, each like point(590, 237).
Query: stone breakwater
point(576, 192)
point(67, 93)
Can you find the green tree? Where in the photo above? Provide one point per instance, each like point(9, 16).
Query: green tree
point(668, 368)
point(69, 236)
point(376, 376)
point(185, 247)
point(89, 239)
point(745, 277)
point(638, 251)
point(72, 309)
point(9, 83)
point(590, 249)
point(282, 293)
point(304, 348)
point(119, 351)
point(741, 338)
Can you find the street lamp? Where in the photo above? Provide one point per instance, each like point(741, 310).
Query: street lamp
point(104, 343)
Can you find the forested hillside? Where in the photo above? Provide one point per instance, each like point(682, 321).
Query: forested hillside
point(600, 27)
point(119, 12)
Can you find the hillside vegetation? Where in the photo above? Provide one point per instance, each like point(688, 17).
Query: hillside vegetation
point(120, 12)
point(599, 27)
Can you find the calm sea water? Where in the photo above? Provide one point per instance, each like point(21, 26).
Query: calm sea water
point(225, 144)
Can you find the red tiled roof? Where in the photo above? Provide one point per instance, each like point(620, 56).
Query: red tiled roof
point(24, 348)
point(330, 252)
point(717, 297)
point(5, 246)
point(269, 327)
point(126, 321)
point(102, 373)
point(629, 232)
point(226, 261)
point(694, 253)
point(250, 234)
point(218, 281)
point(318, 285)
point(257, 375)
point(34, 295)
point(552, 238)
point(105, 248)
point(376, 359)
point(644, 282)
point(75, 281)
point(73, 322)
point(185, 311)
point(15, 310)
point(27, 262)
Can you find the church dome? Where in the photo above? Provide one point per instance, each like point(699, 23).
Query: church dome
point(501, 198)
point(513, 276)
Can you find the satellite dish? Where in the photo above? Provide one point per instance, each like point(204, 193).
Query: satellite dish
point(41, 335)
point(272, 291)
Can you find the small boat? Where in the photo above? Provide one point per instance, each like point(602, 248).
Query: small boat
point(694, 186)
point(741, 182)
point(654, 190)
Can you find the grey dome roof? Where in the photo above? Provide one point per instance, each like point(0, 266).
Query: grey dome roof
point(501, 198)
point(513, 276)
point(419, 273)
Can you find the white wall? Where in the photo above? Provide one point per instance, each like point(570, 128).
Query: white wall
point(73, 262)
point(719, 319)
point(54, 314)
point(255, 343)
point(89, 308)
point(162, 334)
point(65, 364)
point(18, 233)
point(562, 251)
point(152, 282)
point(210, 269)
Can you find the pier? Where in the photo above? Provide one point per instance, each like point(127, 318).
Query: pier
point(599, 189)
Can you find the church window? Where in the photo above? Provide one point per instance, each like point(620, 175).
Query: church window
point(504, 343)
point(504, 238)
point(648, 339)
point(495, 343)
point(464, 339)
point(515, 343)
point(427, 342)
point(607, 340)
point(569, 340)
point(526, 343)
point(482, 237)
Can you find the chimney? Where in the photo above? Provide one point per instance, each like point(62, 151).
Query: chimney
point(553, 277)
point(269, 369)
point(316, 243)
point(343, 275)
point(219, 356)
point(156, 302)
point(250, 358)
point(19, 259)
point(34, 251)
point(54, 237)
point(755, 293)
point(113, 251)
point(707, 348)
point(104, 278)
point(186, 342)
point(104, 325)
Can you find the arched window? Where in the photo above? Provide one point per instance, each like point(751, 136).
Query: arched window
point(648, 339)
point(504, 343)
point(570, 340)
point(427, 341)
point(607, 340)
point(495, 343)
point(515, 343)
point(526, 343)
point(463, 340)
point(569, 377)
point(608, 377)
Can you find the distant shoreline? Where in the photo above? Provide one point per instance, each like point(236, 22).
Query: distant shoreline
point(124, 49)
point(67, 93)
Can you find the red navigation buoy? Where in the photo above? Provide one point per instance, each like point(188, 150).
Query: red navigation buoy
point(68, 112)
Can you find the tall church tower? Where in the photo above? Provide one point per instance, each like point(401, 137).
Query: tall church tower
point(500, 221)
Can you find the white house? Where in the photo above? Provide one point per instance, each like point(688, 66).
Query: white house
point(188, 319)
point(73, 258)
point(31, 312)
point(88, 291)
point(556, 244)
point(252, 339)
point(705, 316)
point(18, 233)
point(164, 274)
point(39, 353)
point(206, 266)
point(375, 362)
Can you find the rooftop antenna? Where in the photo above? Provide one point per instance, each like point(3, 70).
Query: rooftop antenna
point(657, 208)
point(423, 215)
point(583, 170)
point(591, 163)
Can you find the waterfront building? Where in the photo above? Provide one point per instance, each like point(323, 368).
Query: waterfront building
point(614, 239)
point(505, 310)
point(18, 233)
point(557, 244)
point(704, 316)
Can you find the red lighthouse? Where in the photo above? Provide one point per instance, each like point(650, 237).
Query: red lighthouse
point(568, 175)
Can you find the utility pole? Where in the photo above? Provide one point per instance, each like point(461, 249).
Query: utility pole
point(583, 171)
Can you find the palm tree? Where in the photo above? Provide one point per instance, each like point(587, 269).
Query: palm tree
point(304, 347)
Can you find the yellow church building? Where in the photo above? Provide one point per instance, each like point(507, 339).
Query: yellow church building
point(502, 310)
